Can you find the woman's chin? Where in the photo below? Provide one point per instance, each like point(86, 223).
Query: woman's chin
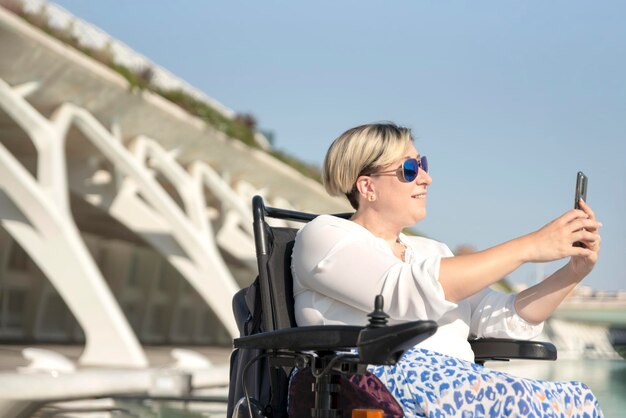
point(418, 215)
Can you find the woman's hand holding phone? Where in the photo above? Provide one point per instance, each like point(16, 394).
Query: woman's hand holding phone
point(583, 263)
point(573, 234)
point(555, 240)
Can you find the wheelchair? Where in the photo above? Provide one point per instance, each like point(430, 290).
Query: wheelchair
point(334, 358)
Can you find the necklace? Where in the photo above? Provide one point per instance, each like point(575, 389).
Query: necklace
point(403, 253)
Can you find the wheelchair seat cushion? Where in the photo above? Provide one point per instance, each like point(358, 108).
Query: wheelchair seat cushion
point(357, 391)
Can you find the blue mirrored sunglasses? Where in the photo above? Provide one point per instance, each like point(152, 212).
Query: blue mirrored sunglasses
point(409, 169)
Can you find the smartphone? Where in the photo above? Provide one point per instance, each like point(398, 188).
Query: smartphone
point(581, 193)
point(581, 189)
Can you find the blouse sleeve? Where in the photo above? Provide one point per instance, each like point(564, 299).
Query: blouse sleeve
point(494, 316)
point(353, 268)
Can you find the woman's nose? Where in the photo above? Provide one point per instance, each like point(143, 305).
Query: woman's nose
point(424, 178)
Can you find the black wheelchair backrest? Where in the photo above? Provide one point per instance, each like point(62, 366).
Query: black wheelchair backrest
point(274, 246)
point(266, 305)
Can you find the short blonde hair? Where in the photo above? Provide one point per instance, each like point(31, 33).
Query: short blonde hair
point(360, 151)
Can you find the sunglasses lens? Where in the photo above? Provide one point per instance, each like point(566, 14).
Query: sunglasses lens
point(424, 163)
point(409, 169)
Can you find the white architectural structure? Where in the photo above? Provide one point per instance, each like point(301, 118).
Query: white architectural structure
point(124, 219)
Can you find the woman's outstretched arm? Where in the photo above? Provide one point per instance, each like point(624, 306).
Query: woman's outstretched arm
point(465, 275)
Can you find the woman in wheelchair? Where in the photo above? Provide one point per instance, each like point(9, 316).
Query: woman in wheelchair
point(339, 266)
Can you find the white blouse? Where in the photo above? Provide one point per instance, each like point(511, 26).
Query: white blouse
point(339, 267)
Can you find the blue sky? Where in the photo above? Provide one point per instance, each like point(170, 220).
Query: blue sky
point(508, 99)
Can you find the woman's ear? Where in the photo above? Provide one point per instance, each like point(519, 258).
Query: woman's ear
point(365, 186)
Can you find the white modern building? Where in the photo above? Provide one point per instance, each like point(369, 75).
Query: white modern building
point(125, 221)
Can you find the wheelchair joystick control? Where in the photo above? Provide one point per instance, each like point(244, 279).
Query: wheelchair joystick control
point(378, 317)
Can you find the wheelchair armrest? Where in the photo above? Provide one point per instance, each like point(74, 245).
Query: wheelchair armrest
point(377, 345)
point(504, 349)
point(385, 345)
point(311, 338)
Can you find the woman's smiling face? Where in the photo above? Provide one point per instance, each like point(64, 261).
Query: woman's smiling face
point(405, 202)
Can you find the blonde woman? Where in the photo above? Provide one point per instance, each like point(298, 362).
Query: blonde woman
point(340, 265)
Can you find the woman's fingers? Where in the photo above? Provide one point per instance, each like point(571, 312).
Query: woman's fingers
point(585, 237)
point(584, 212)
point(580, 223)
point(585, 207)
point(584, 229)
point(572, 215)
point(581, 252)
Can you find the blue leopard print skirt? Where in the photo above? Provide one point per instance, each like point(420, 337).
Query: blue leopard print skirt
point(430, 384)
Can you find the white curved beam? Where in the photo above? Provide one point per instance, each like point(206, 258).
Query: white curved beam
point(36, 213)
point(146, 149)
point(51, 170)
point(210, 277)
point(51, 239)
point(204, 268)
point(247, 191)
point(205, 175)
point(236, 234)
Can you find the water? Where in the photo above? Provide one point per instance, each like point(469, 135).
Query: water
point(606, 378)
